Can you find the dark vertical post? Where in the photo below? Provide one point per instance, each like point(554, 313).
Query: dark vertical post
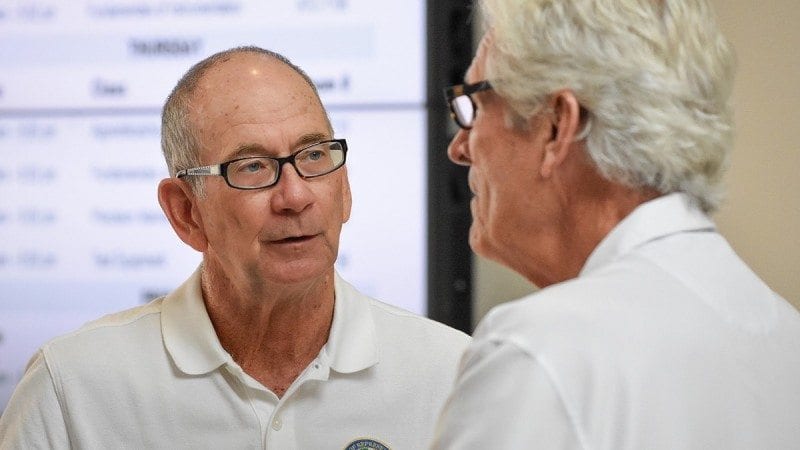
point(449, 41)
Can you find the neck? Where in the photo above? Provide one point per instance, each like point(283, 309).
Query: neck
point(586, 216)
point(275, 333)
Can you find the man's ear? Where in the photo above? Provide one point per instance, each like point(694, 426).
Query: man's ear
point(563, 123)
point(178, 202)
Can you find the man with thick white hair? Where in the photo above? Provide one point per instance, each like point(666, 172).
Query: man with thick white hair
point(596, 133)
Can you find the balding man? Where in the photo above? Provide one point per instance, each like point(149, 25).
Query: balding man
point(264, 346)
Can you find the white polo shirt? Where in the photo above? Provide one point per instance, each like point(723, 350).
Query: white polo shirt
point(157, 377)
point(666, 340)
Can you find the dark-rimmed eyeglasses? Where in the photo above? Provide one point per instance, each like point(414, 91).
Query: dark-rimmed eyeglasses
point(260, 172)
point(462, 107)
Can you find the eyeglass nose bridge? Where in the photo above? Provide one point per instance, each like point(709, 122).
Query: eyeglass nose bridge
point(286, 160)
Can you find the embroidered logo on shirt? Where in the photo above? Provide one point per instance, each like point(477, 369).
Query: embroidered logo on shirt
point(366, 444)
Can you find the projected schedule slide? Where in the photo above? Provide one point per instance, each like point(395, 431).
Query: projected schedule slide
point(81, 87)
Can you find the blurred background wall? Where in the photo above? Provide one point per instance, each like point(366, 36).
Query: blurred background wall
point(761, 217)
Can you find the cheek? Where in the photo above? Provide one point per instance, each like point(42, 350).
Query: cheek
point(346, 200)
point(496, 203)
point(231, 218)
point(481, 208)
point(332, 204)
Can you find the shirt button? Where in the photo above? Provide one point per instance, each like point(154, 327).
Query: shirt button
point(277, 423)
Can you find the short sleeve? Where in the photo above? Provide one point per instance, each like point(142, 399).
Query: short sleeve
point(33, 418)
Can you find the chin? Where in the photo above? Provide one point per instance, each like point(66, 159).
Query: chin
point(482, 245)
point(478, 242)
point(296, 272)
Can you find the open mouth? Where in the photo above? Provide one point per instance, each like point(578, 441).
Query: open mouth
point(294, 240)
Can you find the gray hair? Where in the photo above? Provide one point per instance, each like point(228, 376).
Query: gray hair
point(179, 141)
point(655, 77)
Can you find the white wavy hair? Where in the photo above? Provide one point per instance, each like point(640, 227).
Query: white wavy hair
point(654, 75)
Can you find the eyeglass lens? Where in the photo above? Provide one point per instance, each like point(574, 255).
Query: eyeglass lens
point(310, 162)
point(464, 110)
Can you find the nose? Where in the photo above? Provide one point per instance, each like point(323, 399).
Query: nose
point(458, 150)
point(292, 193)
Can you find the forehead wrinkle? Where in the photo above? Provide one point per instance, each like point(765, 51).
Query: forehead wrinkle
point(215, 120)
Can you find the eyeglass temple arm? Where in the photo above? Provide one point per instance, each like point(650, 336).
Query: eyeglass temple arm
point(204, 170)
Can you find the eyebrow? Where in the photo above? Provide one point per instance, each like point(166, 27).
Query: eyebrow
point(310, 138)
point(244, 150)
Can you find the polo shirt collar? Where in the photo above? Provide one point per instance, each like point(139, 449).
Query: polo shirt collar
point(189, 335)
point(657, 218)
point(192, 343)
point(352, 344)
